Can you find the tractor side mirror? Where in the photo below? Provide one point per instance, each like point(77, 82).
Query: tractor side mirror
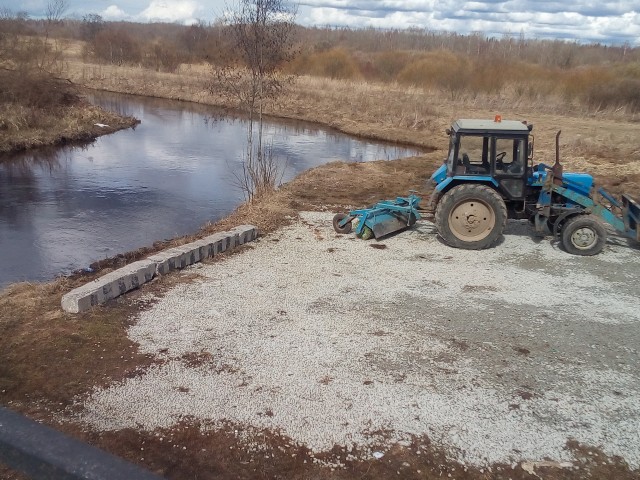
point(448, 132)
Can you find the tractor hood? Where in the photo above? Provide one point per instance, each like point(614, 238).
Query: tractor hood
point(581, 183)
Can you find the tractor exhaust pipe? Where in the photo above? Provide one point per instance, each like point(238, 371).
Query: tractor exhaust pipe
point(557, 169)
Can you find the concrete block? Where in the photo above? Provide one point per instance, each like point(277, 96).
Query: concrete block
point(132, 276)
point(109, 286)
point(165, 261)
point(219, 242)
point(161, 260)
point(187, 256)
point(245, 233)
point(181, 257)
point(203, 249)
point(172, 259)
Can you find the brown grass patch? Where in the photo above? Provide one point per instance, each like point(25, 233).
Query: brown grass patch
point(31, 127)
point(48, 356)
point(193, 451)
point(343, 185)
point(38, 109)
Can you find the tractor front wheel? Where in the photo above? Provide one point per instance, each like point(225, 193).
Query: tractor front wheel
point(583, 235)
point(471, 216)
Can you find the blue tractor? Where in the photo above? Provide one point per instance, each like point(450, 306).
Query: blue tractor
point(489, 176)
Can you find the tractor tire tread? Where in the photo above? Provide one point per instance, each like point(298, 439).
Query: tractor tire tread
point(468, 190)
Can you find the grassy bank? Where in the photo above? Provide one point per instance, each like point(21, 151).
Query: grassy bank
point(38, 109)
point(60, 126)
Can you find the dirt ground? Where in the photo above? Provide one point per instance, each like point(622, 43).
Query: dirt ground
point(339, 346)
point(537, 348)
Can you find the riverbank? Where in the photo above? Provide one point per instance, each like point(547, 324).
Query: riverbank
point(38, 109)
point(81, 122)
point(603, 143)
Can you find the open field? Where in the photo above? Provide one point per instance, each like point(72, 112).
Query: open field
point(462, 331)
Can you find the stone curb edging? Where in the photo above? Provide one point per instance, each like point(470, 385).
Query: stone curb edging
point(131, 276)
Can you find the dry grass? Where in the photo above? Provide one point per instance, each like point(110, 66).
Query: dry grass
point(22, 127)
point(47, 356)
point(39, 109)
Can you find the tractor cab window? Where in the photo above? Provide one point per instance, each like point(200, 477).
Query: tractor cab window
point(510, 156)
point(473, 155)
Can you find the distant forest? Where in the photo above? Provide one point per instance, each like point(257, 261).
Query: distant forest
point(597, 75)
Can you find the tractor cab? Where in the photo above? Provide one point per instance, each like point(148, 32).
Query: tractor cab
point(492, 152)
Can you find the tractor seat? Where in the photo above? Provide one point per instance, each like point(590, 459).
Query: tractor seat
point(472, 169)
point(476, 169)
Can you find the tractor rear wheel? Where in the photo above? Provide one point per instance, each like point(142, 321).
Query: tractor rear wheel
point(583, 235)
point(471, 216)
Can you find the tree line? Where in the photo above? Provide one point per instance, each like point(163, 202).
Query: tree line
point(598, 75)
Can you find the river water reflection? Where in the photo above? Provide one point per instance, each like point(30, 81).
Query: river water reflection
point(63, 209)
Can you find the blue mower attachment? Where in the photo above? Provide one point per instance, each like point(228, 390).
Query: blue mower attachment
point(382, 219)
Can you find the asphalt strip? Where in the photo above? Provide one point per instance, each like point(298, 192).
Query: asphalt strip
point(500, 355)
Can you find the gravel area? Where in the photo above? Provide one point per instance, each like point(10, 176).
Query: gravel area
point(500, 355)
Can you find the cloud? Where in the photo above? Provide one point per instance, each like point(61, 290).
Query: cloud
point(182, 11)
point(113, 12)
point(585, 20)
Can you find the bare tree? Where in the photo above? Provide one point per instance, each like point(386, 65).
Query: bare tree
point(54, 10)
point(92, 24)
point(52, 52)
point(262, 34)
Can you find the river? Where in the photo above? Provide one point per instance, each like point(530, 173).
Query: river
point(62, 209)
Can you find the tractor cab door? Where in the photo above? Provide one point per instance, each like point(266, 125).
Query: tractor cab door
point(509, 165)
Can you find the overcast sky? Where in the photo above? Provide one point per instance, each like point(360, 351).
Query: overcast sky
point(582, 20)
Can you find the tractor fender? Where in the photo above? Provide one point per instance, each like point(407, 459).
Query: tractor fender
point(451, 182)
point(446, 185)
point(557, 225)
point(440, 174)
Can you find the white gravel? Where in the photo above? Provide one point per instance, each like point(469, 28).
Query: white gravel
point(498, 356)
